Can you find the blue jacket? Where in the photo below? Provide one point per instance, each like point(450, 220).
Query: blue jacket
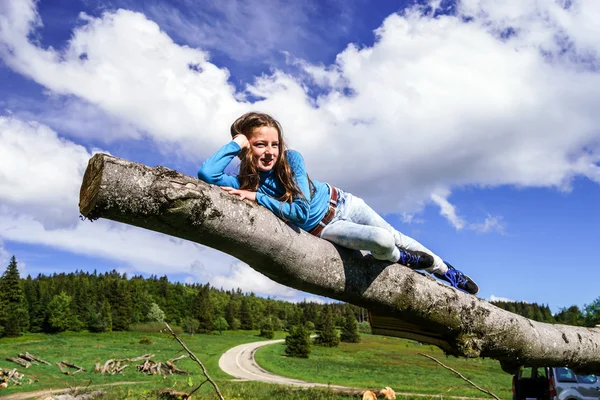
point(304, 212)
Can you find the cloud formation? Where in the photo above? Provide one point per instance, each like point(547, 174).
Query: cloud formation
point(494, 95)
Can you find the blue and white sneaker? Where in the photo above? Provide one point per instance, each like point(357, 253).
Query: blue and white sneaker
point(415, 259)
point(459, 280)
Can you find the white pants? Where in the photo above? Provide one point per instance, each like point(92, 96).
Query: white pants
point(357, 226)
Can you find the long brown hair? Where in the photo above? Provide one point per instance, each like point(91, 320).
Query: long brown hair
point(248, 176)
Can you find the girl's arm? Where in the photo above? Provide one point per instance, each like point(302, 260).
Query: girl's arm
point(298, 210)
point(212, 169)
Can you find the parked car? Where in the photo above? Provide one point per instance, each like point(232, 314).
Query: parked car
point(556, 383)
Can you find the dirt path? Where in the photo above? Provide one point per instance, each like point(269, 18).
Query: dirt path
point(50, 392)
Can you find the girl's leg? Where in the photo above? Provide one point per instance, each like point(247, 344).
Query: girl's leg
point(378, 241)
point(357, 211)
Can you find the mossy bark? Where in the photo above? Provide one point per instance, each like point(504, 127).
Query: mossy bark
point(166, 201)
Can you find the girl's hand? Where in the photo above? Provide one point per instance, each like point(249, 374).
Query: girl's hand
point(242, 140)
point(244, 194)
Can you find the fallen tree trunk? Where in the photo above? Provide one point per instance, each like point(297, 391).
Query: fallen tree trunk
point(166, 201)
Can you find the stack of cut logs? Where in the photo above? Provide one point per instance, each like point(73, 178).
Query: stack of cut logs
point(10, 377)
point(111, 367)
point(158, 368)
point(149, 366)
point(25, 360)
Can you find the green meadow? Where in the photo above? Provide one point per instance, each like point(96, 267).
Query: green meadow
point(379, 361)
point(375, 362)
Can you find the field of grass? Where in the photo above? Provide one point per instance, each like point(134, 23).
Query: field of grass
point(85, 349)
point(383, 361)
point(375, 362)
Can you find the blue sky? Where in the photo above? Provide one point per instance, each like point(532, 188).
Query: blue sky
point(472, 126)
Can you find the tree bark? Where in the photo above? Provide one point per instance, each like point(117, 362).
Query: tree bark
point(166, 201)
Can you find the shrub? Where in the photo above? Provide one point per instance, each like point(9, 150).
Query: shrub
point(190, 325)
point(310, 326)
point(297, 343)
point(154, 327)
point(364, 327)
point(155, 314)
point(221, 324)
point(145, 340)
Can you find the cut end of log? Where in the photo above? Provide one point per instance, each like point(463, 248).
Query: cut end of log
point(90, 186)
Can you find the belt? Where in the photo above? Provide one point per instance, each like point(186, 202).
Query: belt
point(329, 214)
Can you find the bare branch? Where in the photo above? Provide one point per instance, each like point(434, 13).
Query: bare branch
point(193, 357)
point(461, 376)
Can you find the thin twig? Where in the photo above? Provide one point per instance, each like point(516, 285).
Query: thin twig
point(199, 386)
point(193, 357)
point(461, 376)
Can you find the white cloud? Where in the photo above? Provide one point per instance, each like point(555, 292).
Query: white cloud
point(448, 211)
point(498, 298)
point(491, 223)
point(4, 255)
point(40, 173)
point(433, 105)
point(240, 275)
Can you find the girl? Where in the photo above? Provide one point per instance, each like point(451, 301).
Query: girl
point(276, 179)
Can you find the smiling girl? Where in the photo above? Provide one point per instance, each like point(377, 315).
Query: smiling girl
point(276, 178)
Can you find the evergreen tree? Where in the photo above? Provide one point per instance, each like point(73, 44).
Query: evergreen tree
point(328, 335)
point(101, 317)
point(14, 317)
point(350, 332)
point(120, 305)
point(37, 309)
point(59, 313)
point(266, 329)
point(203, 310)
point(297, 343)
point(246, 318)
point(232, 311)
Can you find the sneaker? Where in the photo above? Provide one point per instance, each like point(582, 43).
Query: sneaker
point(415, 259)
point(459, 280)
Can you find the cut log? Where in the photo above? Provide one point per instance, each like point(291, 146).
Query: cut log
point(106, 366)
point(144, 357)
point(119, 369)
point(31, 357)
point(175, 370)
point(166, 201)
point(20, 361)
point(181, 357)
point(62, 368)
point(71, 365)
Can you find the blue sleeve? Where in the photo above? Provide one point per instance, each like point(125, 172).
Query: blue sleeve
point(212, 169)
point(298, 210)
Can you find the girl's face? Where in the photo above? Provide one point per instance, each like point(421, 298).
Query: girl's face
point(264, 145)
